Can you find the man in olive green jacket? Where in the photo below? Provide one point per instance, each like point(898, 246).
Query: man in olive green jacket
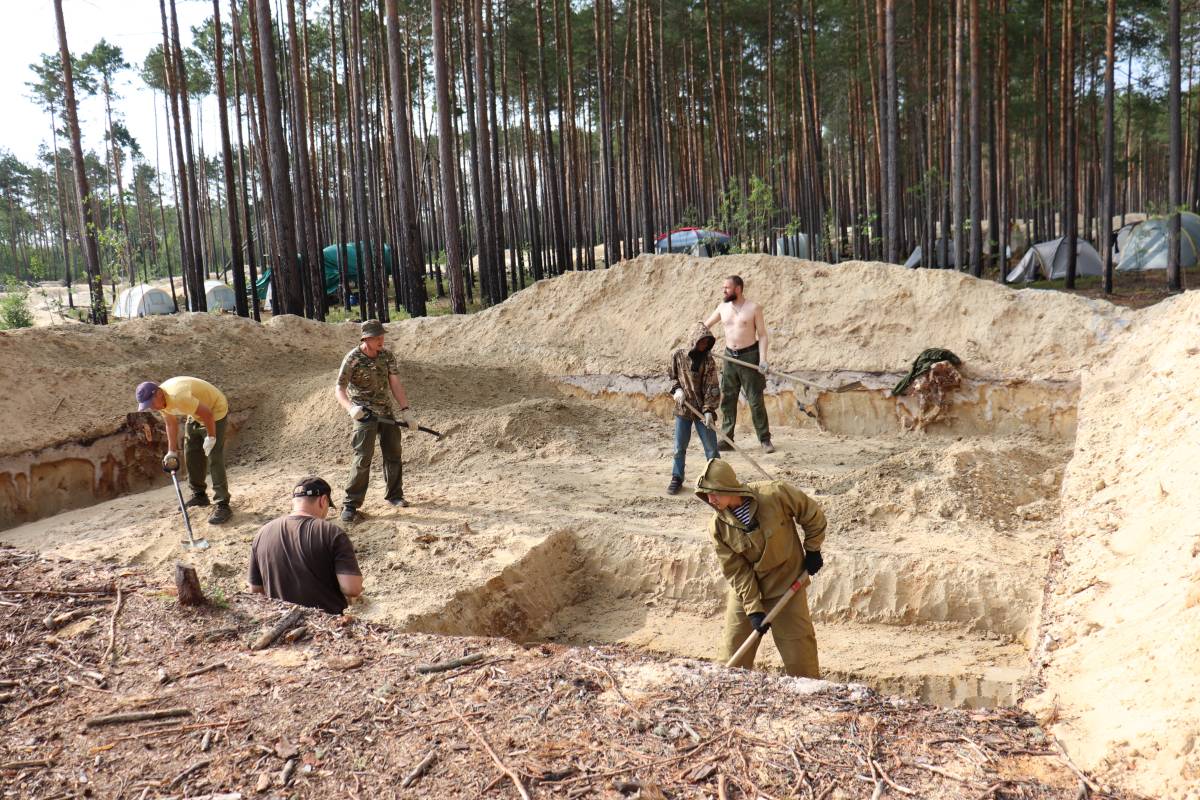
point(761, 554)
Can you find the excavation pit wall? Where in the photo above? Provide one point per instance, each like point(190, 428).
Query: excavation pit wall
point(82, 472)
point(949, 634)
point(859, 403)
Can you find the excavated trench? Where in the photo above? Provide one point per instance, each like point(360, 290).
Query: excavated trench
point(952, 628)
point(945, 625)
point(82, 472)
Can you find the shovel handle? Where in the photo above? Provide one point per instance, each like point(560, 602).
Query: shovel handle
point(728, 441)
point(752, 639)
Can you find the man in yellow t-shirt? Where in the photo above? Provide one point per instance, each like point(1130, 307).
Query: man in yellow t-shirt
point(205, 409)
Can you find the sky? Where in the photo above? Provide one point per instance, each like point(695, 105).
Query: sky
point(27, 29)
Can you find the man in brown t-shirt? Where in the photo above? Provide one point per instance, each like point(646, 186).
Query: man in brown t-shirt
point(302, 558)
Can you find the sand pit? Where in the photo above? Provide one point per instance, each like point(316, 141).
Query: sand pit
point(542, 516)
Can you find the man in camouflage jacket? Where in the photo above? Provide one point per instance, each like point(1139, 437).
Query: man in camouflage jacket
point(694, 381)
point(366, 384)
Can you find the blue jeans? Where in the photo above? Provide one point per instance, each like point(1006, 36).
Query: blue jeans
point(683, 435)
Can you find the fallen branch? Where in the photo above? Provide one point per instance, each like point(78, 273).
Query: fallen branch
point(938, 771)
point(202, 670)
point(886, 779)
point(454, 663)
point(138, 716)
point(290, 620)
point(34, 707)
point(515, 778)
point(165, 732)
point(40, 762)
point(55, 621)
point(181, 777)
point(110, 652)
point(1078, 772)
point(419, 770)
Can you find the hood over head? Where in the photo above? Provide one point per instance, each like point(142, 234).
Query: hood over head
point(698, 333)
point(718, 477)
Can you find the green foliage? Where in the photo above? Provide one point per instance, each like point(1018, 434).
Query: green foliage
point(746, 216)
point(14, 307)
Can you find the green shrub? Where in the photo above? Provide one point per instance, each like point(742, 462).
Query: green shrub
point(14, 308)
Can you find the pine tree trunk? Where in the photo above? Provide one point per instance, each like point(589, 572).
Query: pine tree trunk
point(1174, 179)
point(231, 192)
point(1107, 197)
point(288, 296)
point(450, 210)
point(83, 195)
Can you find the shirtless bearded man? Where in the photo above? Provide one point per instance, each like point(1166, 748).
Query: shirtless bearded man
point(746, 340)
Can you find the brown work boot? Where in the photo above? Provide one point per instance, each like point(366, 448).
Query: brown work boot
point(220, 514)
point(767, 446)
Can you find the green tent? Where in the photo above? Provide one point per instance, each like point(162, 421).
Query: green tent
point(333, 277)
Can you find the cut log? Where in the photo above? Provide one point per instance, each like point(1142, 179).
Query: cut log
point(453, 663)
point(268, 637)
point(187, 586)
point(138, 716)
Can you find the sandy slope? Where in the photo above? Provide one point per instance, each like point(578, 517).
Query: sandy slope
point(1124, 617)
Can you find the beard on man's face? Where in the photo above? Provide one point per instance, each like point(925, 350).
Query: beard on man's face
point(730, 295)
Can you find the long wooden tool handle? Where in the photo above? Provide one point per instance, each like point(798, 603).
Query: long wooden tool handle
point(748, 365)
point(727, 440)
point(752, 639)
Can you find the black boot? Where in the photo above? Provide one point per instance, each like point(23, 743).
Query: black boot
point(198, 500)
point(724, 446)
point(674, 485)
point(220, 514)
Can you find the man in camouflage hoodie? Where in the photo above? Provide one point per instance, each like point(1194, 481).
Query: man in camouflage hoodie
point(366, 383)
point(695, 382)
point(761, 554)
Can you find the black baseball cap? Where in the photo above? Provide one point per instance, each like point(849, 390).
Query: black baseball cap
point(313, 486)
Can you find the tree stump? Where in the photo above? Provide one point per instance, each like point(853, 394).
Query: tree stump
point(187, 586)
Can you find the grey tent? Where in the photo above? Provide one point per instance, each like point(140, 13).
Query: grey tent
point(1145, 246)
point(795, 244)
point(219, 297)
point(1049, 260)
point(142, 300)
point(917, 259)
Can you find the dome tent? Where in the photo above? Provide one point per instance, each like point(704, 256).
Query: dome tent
point(142, 300)
point(1049, 260)
point(219, 297)
point(943, 255)
point(1145, 246)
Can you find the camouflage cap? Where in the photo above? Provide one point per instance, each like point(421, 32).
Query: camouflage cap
point(372, 327)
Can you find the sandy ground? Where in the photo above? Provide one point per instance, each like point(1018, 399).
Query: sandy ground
point(542, 515)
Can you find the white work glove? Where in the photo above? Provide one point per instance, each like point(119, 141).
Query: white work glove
point(170, 461)
point(209, 443)
point(762, 366)
point(356, 412)
point(678, 396)
point(710, 420)
point(409, 419)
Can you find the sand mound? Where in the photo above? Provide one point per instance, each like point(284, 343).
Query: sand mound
point(80, 378)
point(1123, 636)
point(853, 316)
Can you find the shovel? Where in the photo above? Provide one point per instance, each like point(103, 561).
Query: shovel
point(191, 541)
point(402, 424)
point(755, 636)
point(727, 440)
